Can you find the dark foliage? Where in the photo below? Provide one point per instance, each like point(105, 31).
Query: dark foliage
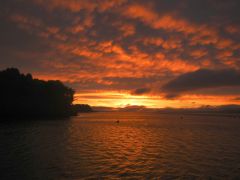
point(21, 96)
point(82, 108)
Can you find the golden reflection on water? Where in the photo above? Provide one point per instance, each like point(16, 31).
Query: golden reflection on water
point(120, 148)
point(142, 146)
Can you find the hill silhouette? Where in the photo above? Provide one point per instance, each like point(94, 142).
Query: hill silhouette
point(23, 96)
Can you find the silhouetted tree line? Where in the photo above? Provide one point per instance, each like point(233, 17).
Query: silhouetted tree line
point(21, 95)
point(82, 108)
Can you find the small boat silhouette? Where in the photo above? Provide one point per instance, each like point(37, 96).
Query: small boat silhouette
point(117, 121)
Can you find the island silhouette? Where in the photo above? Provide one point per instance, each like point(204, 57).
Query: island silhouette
point(23, 96)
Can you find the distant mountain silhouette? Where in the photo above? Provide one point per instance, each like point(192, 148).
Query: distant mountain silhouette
point(23, 96)
point(230, 109)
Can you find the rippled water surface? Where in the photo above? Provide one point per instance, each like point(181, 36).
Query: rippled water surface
point(141, 146)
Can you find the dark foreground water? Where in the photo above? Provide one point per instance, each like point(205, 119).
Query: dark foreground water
point(141, 146)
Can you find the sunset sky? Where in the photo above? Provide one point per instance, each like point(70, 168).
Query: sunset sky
point(155, 53)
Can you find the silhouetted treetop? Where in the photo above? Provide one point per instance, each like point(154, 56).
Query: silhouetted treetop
point(21, 95)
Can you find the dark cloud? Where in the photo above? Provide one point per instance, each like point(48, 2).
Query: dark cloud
point(141, 91)
point(129, 83)
point(202, 79)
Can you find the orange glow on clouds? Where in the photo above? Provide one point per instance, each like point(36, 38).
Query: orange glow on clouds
point(106, 49)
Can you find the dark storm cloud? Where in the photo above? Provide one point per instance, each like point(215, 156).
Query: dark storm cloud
point(202, 79)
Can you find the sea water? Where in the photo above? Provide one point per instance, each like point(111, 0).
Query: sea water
point(121, 145)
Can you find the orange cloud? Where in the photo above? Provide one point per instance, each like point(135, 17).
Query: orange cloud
point(144, 13)
point(127, 29)
point(199, 53)
point(158, 41)
point(111, 45)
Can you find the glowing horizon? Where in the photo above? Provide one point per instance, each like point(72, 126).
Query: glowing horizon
point(117, 53)
point(121, 100)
